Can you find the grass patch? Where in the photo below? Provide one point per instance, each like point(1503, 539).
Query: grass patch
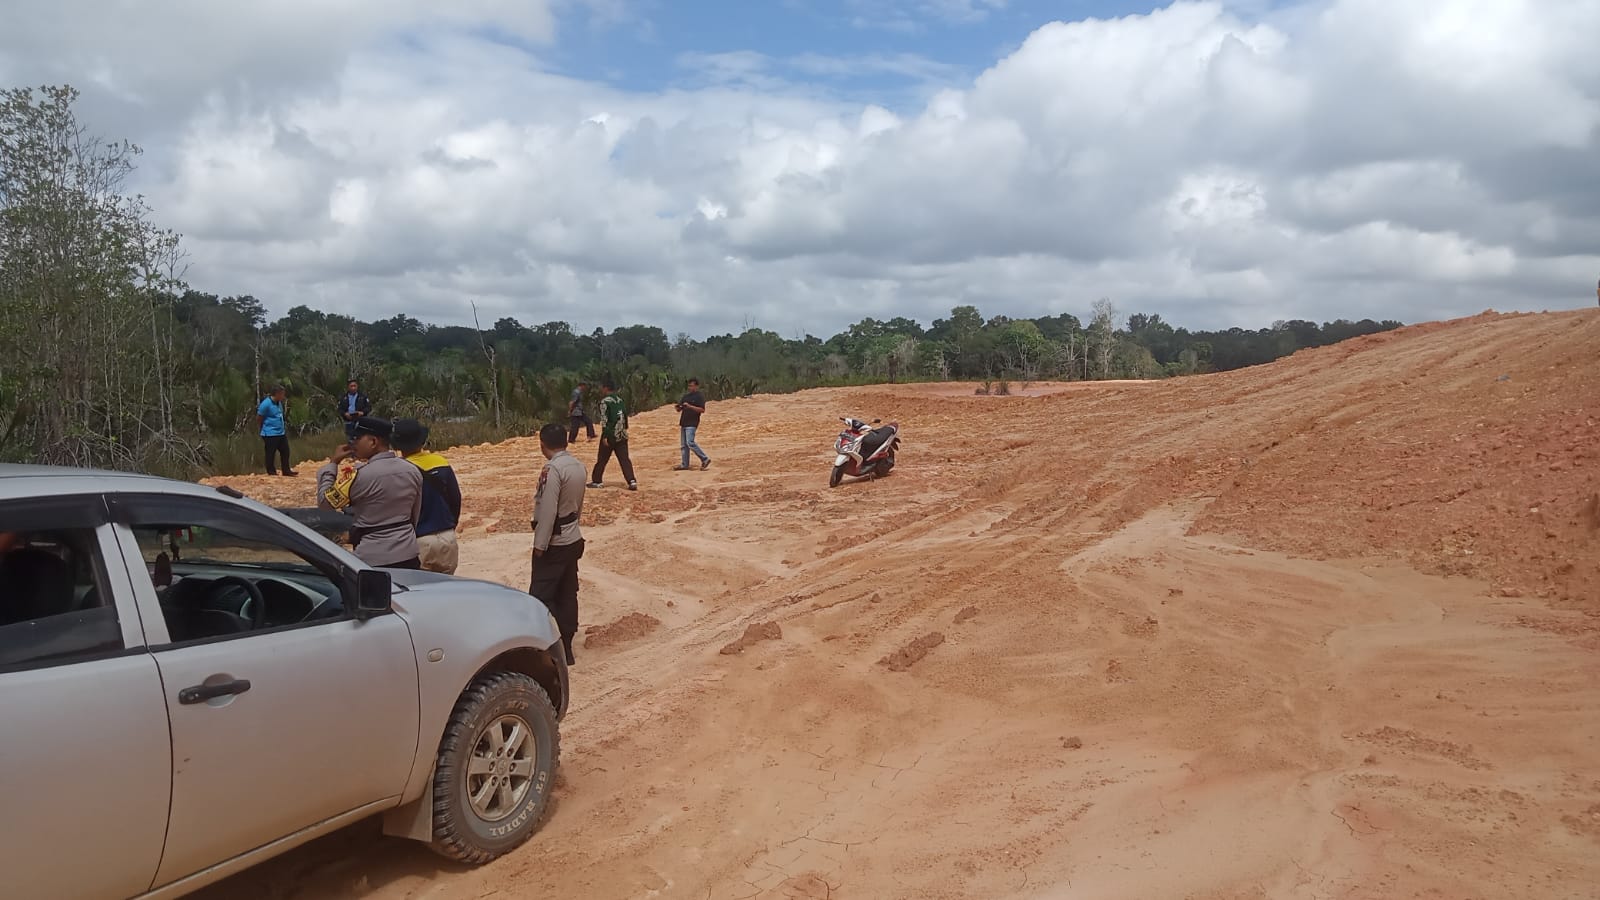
point(241, 454)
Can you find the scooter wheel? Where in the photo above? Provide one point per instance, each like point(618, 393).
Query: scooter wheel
point(836, 476)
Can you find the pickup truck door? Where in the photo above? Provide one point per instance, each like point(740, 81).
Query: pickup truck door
point(85, 758)
point(274, 730)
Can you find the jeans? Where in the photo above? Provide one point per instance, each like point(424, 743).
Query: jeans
point(687, 444)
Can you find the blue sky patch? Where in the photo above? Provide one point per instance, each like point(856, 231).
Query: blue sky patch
point(892, 52)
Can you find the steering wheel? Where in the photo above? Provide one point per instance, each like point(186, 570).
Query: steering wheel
point(256, 605)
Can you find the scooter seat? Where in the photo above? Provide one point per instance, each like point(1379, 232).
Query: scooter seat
point(874, 440)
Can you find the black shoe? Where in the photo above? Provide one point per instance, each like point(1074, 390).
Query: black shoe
point(594, 484)
point(633, 485)
point(705, 464)
point(291, 472)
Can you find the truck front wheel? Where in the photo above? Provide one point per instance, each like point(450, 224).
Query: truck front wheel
point(497, 764)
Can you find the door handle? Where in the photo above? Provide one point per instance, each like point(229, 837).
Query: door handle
point(200, 693)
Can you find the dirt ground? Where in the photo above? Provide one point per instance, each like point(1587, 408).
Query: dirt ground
point(1326, 628)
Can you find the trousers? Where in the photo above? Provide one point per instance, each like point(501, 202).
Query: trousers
point(276, 445)
point(439, 551)
point(607, 448)
point(555, 584)
point(577, 423)
point(686, 443)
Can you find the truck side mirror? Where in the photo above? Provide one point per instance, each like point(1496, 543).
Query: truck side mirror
point(374, 590)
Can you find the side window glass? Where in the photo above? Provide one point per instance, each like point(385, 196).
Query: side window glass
point(55, 607)
point(217, 577)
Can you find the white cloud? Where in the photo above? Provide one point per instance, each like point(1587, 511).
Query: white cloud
point(1344, 158)
point(165, 55)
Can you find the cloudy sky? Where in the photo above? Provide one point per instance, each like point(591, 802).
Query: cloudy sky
point(801, 164)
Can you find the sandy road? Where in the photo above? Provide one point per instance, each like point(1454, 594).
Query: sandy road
point(1325, 628)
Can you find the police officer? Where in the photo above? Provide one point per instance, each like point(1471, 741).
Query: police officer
point(380, 491)
point(557, 540)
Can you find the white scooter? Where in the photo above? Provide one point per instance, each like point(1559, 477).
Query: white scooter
point(863, 450)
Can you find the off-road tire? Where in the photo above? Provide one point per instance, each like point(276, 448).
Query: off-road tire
point(836, 476)
point(459, 833)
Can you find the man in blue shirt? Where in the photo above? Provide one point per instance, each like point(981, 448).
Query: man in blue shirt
point(274, 433)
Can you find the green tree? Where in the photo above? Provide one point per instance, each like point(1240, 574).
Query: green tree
point(1022, 348)
point(87, 356)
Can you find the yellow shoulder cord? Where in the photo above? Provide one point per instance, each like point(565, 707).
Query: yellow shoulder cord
point(338, 496)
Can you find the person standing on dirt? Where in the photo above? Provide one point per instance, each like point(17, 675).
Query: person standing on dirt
point(613, 436)
point(577, 415)
point(274, 431)
point(437, 547)
point(352, 406)
point(690, 408)
point(380, 491)
point(557, 539)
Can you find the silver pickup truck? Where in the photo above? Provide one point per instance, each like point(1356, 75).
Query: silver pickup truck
point(191, 682)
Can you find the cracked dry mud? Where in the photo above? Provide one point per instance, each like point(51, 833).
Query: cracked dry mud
point(1324, 628)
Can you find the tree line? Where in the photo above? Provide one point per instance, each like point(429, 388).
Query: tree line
point(107, 358)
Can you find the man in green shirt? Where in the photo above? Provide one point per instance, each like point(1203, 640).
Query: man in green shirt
point(613, 435)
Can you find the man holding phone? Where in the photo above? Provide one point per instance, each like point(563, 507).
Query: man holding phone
point(690, 408)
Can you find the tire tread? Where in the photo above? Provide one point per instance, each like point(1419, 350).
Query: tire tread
point(450, 839)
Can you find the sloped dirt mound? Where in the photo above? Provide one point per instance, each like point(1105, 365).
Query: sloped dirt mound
point(754, 634)
point(1468, 450)
point(631, 627)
